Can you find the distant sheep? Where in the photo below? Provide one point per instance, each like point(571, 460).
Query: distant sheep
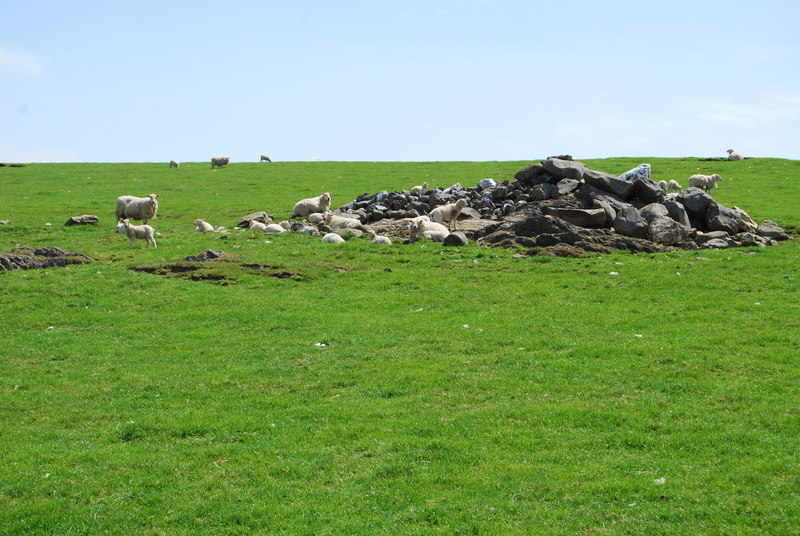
point(332, 238)
point(673, 186)
point(448, 213)
point(174, 164)
point(202, 226)
point(734, 155)
point(420, 189)
point(265, 158)
point(704, 182)
point(662, 185)
point(220, 161)
point(137, 208)
point(312, 205)
point(379, 239)
point(144, 232)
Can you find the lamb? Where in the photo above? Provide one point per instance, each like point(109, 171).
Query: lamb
point(448, 213)
point(705, 182)
point(202, 226)
point(137, 208)
point(274, 228)
point(673, 186)
point(420, 189)
point(258, 226)
point(265, 158)
point(340, 222)
point(419, 226)
point(133, 232)
point(220, 161)
point(662, 185)
point(332, 238)
point(174, 164)
point(316, 218)
point(312, 205)
point(379, 239)
point(734, 155)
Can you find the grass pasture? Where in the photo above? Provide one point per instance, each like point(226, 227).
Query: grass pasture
point(458, 391)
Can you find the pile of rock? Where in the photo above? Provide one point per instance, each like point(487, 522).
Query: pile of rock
point(44, 257)
point(561, 201)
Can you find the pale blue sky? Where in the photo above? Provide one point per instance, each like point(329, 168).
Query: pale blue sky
point(406, 80)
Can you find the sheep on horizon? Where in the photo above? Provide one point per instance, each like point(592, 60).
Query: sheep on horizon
point(734, 155)
point(174, 164)
point(137, 208)
point(220, 161)
point(265, 158)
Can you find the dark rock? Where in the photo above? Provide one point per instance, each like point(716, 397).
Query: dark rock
point(770, 229)
point(456, 238)
point(750, 239)
point(499, 193)
point(629, 223)
point(530, 175)
point(695, 201)
point(701, 239)
point(262, 217)
point(611, 214)
point(609, 183)
point(469, 213)
point(565, 186)
point(677, 212)
point(665, 230)
point(207, 255)
point(647, 190)
point(593, 217)
point(542, 192)
point(564, 169)
point(720, 218)
point(43, 257)
point(716, 243)
point(653, 211)
point(85, 219)
point(591, 194)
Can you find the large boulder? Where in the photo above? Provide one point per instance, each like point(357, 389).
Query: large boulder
point(541, 192)
point(262, 217)
point(530, 175)
point(85, 219)
point(565, 186)
point(564, 169)
point(665, 230)
point(695, 201)
point(592, 194)
point(592, 217)
point(653, 211)
point(607, 208)
point(677, 212)
point(456, 239)
point(609, 183)
point(770, 229)
point(647, 190)
point(630, 223)
point(720, 218)
point(746, 223)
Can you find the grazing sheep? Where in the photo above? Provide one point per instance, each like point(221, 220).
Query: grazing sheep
point(705, 182)
point(312, 205)
point(133, 232)
point(274, 228)
point(265, 158)
point(673, 186)
point(202, 226)
point(258, 226)
point(734, 155)
point(332, 238)
point(420, 189)
point(174, 164)
point(379, 239)
point(420, 226)
point(137, 208)
point(340, 222)
point(662, 185)
point(448, 213)
point(220, 161)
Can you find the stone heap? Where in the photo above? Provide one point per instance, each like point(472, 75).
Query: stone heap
point(44, 257)
point(561, 201)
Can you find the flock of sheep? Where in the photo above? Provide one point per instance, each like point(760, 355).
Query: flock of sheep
point(317, 212)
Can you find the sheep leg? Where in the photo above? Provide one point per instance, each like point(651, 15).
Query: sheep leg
point(132, 241)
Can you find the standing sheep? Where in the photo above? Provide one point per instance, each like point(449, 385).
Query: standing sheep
point(734, 155)
point(448, 213)
point(133, 232)
point(673, 186)
point(704, 182)
point(220, 161)
point(265, 158)
point(137, 208)
point(662, 185)
point(174, 164)
point(312, 204)
point(420, 189)
point(202, 226)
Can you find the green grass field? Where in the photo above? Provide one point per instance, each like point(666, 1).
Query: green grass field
point(459, 391)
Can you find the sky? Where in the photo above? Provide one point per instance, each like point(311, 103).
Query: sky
point(397, 80)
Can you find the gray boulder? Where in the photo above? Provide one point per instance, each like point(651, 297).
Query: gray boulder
point(665, 230)
point(456, 239)
point(564, 169)
point(609, 183)
point(565, 186)
point(86, 219)
point(262, 217)
point(592, 217)
point(630, 223)
point(719, 218)
point(770, 229)
point(592, 194)
point(702, 238)
point(677, 212)
point(717, 243)
point(647, 190)
point(653, 211)
point(695, 201)
point(611, 214)
point(541, 192)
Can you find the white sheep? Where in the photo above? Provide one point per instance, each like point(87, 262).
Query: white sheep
point(420, 189)
point(202, 226)
point(705, 182)
point(674, 186)
point(274, 228)
point(341, 222)
point(137, 208)
point(379, 239)
point(174, 164)
point(258, 226)
point(662, 185)
point(265, 158)
point(312, 205)
point(734, 155)
point(332, 238)
point(220, 161)
point(448, 213)
point(420, 226)
point(133, 232)
point(436, 236)
point(316, 218)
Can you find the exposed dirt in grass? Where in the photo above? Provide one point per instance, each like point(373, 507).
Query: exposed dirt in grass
point(221, 271)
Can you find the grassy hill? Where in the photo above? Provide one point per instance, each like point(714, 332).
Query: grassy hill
point(410, 389)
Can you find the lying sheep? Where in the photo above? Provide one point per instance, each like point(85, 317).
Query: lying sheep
point(332, 238)
point(274, 228)
point(133, 232)
point(265, 158)
point(420, 189)
point(734, 155)
point(174, 164)
point(202, 226)
point(340, 222)
point(448, 213)
point(316, 218)
point(137, 208)
point(220, 161)
point(662, 185)
point(258, 226)
point(419, 226)
point(704, 182)
point(379, 239)
point(673, 186)
point(312, 205)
